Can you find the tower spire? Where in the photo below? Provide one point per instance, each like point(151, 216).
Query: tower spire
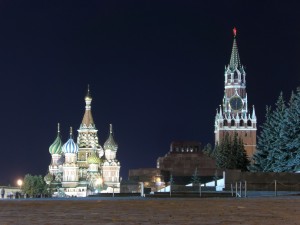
point(235, 58)
point(88, 118)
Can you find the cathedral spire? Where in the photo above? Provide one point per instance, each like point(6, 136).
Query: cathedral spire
point(88, 94)
point(235, 58)
point(87, 120)
point(71, 132)
point(110, 128)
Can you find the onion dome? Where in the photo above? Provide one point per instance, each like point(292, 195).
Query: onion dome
point(55, 148)
point(93, 159)
point(110, 142)
point(70, 146)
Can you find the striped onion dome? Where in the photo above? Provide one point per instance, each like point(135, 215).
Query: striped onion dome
point(55, 148)
point(70, 146)
point(93, 159)
point(110, 142)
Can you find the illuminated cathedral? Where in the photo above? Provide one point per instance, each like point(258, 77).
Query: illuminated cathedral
point(83, 168)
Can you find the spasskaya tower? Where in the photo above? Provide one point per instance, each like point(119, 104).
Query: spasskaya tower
point(233, 115)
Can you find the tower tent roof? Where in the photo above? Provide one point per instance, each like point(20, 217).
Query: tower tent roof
point(87, 118)
point(235, 61)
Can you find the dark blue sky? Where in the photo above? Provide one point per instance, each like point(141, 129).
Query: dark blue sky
point(155, 68)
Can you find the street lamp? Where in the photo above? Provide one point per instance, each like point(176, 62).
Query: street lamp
point(19, 183)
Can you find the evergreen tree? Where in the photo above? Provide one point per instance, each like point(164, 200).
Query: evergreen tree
point(196, 177)
point(231, 154)
point(242, 159)
point(171, 179)
point(208, 150)
point(270, 153)
point(259, 158)
point(223, 155)
point(277, 157)
point(289, 158)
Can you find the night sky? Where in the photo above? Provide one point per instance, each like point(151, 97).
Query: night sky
point(155, 69)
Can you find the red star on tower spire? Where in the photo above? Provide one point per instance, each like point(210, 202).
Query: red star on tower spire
point(234, 32)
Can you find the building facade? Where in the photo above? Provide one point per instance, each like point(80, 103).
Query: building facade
point(234, 115)
point(184, 158)
point(83, 168)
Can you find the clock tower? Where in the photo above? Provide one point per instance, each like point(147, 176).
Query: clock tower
point(233, 115)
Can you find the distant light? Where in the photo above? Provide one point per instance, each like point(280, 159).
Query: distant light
point(19, 182)
point(99, 181)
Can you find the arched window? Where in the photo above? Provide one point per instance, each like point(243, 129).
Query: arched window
point(225, 123)
point(249, 123)
point(232, 122)
point(236, 75)
point(241, 123)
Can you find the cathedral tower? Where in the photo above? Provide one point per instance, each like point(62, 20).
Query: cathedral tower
point(233, 115)
point(87, 139)
point(111, 166)
point(70, 167)
point(56, 151)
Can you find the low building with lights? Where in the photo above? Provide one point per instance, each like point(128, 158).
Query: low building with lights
point(183, 158)
point(10, 192)
point(180, 163)
point(84, 168)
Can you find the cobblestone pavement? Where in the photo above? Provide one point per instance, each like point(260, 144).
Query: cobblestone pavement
point(231, 211)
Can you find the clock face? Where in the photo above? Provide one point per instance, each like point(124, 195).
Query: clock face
point(236, 103)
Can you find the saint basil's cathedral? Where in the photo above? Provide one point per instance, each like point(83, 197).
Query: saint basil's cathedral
point(83, 168)
point(233, 115)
